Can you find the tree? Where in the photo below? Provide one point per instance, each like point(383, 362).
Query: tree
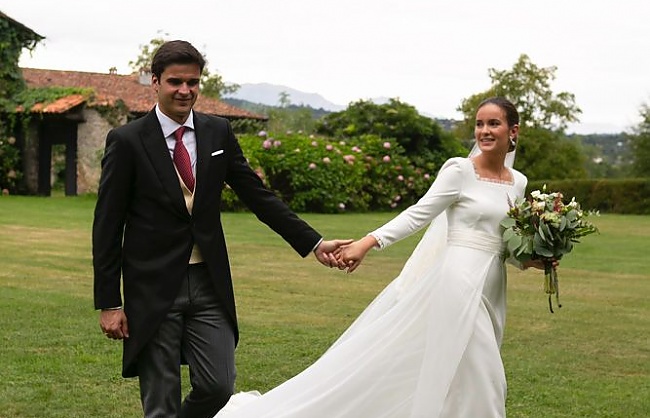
point(212, 84)
point(640, 144)
point(147, 51)
point(529, 88)
point(288, 117)
point(423, 140)
point(543, 152)
point(284, 99)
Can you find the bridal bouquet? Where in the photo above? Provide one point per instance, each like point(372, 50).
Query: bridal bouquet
point(543, 227)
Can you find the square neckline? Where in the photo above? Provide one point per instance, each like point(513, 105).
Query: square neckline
point(478, 177)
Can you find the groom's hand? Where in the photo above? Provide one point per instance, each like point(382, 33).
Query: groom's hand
point(113, 323)
point(328, 253)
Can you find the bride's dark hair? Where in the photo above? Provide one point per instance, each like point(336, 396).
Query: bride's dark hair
point(512, 115)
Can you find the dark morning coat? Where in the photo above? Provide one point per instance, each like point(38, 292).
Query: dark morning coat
point(143, 233)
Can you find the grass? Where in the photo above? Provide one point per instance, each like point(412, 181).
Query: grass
point(589, 359)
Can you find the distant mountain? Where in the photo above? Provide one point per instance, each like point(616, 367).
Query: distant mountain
point(258, 97)
point(269, 94)
point(263, 109)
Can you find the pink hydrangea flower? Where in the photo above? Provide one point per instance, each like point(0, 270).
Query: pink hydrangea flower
point(349, 159)
point(267, 144)
point(387, 145)
point(262, 133)
point(329, 147)
point(277, 143)
point(327, 160)
point(386, 159)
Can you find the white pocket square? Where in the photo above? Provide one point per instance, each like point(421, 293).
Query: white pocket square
point(218, 152)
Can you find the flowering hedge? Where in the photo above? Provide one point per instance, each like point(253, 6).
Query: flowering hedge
point(319, 174)
point(10, 174)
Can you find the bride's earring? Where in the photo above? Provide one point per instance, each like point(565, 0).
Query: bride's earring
point(513, 144)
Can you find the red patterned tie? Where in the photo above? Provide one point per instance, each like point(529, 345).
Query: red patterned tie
point(182, 159)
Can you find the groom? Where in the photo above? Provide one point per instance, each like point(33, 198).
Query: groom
point(157, 227)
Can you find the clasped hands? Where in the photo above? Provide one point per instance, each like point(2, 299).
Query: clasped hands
point(344, 254)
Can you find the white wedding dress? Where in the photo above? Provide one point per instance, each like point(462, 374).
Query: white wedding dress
point(428, 345)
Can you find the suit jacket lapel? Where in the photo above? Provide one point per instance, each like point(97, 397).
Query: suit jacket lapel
point(204, 143)
point(154, 144)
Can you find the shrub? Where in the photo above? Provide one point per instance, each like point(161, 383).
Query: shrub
point(318, 174)
point(625, 196)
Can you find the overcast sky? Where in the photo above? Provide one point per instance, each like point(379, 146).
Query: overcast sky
point(429, 53)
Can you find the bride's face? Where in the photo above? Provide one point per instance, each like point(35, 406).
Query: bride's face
point(491, 130)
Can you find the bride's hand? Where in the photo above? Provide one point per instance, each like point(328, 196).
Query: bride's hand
point(352, 254)
point(538, 264)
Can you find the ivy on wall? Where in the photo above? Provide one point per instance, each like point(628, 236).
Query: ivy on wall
point(14, 37)
point(16, 100)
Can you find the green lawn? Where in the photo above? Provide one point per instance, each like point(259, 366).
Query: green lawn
point(589, 359)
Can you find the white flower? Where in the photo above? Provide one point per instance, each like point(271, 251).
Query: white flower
point(539, 206)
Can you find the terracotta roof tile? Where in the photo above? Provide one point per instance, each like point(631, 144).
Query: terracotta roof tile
point(109, 88)
point(60, 105)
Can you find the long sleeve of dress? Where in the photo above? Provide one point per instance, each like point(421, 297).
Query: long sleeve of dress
point(444, 191)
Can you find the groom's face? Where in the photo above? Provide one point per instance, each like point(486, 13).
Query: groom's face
point(177, 90)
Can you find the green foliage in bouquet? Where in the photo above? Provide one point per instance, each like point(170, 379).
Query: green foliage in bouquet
point(543, 227)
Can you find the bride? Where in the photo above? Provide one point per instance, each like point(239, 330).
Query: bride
point(428, 345)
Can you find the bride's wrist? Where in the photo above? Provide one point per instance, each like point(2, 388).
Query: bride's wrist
point(369, 242)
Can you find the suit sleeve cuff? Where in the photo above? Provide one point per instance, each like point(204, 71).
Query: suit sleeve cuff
point(317, 244)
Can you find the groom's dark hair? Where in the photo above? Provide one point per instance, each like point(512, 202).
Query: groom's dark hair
point(175, 52)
